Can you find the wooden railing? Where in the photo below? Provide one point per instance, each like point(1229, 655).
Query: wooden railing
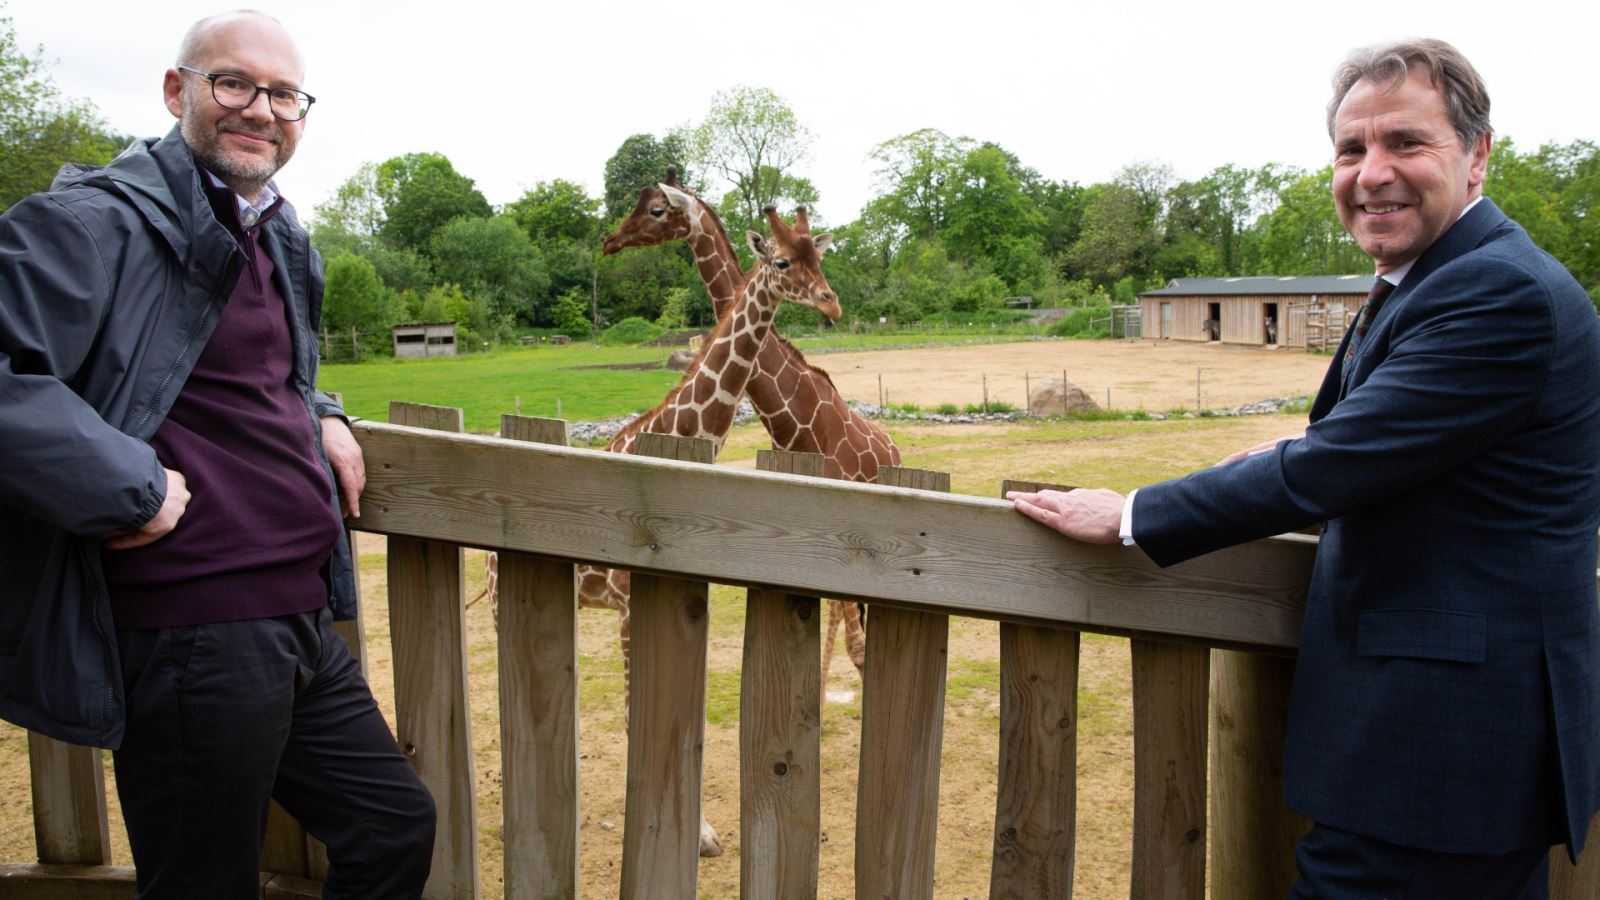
point(1212, 647)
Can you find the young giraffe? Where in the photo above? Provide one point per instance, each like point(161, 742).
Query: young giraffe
point(795, 400)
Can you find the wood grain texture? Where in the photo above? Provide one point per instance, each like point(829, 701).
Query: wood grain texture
point(1253, 831)
point(902, 735)
point(1036, 806)
point(667, 715)
point(780, 787)
point(428, 630)
point(1169, 771)
point(1581, 881)
point(790, 463)
point(818, 537)
point(539, 709)
point(666, 725)
point(69, 803)
point(63, 882)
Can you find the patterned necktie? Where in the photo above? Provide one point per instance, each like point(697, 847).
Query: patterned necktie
point(1375, 297)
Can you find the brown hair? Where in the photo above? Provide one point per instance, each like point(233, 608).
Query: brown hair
point(1466, 100)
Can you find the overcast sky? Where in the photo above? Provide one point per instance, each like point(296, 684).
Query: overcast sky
point(519, 93)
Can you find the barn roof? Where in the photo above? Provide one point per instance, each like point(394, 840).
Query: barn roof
point(1265, 284)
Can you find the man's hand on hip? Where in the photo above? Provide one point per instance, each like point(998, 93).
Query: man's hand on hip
point(165, 519)
point(344, 455)
point(1091, 516)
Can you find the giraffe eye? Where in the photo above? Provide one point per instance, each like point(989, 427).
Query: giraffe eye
point(781, 263)
point(657, 211)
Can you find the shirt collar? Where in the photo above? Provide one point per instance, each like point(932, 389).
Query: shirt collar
point(249, 214)
point(1398, 273)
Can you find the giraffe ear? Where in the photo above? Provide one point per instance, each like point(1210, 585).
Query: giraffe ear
point(676, 197)
point(823, 242)
point(758, 244)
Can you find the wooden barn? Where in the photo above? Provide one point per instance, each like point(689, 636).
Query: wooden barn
point(424, 339)
point(1305, 311)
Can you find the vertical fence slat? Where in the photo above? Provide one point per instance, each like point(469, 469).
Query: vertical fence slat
point(538, 708)
point(427, 620)
point(666, 719)
point(780, 750)
point(1253, 831)
point(1036, 806)
point(1580, 882)
point(902, 733)
point(69, 803)
point(1169, 771)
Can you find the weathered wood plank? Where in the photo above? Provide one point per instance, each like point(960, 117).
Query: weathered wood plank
point(63, 882)
point(1036, 806)
point(1580, 882)
point(780, 787)
point(1169, 771)
point(290, 887)
point(69, 802)
point(790, 463)
point(818, 537)
point(902, 735)
point(1253, 831)
point(666, 726)
point(667, 715)
point(286, 847)
point(428, 629)
point(539, 708)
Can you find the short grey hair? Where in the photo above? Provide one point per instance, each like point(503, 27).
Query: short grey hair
point(1466, 100)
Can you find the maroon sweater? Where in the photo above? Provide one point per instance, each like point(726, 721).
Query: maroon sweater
point(260, 526)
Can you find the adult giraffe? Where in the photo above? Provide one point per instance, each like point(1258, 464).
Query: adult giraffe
point(795, 400)
point(703, 404)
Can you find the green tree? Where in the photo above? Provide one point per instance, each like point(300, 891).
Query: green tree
point(355, 299)
point(636, 283)
point(420, 193)
point(1302, 234)
point(556, 210)
point(40, 130)
point(753, 140)
point(642, 160)
point(912, 174)
point(1116, 239)
point(572, 314)
point(494, 259)
point(989, 217)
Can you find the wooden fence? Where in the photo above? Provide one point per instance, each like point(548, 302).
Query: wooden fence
point(1212, 643)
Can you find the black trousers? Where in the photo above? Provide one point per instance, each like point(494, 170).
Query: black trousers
point(222, 718)
point(1338, 865)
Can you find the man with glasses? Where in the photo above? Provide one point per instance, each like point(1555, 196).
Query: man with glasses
point(171, 492)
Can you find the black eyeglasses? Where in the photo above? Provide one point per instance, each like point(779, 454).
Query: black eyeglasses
point(238, 92)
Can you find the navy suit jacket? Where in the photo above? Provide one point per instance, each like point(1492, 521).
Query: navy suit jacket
point(1447, 694)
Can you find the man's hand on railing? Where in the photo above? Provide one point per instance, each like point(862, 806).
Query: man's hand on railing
point(1092, 516)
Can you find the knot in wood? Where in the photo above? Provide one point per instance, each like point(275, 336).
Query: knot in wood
point(411, 749)
point(1192, 835)
point(780, 769)
point(1009, 835)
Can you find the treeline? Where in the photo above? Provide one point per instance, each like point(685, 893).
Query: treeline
point(960, 230)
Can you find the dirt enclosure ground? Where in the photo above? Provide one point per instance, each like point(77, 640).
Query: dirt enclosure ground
point(1154, 375)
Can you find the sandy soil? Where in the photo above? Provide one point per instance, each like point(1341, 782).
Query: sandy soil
point(1153, 375)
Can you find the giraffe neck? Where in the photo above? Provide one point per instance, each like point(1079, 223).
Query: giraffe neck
point(715, 257)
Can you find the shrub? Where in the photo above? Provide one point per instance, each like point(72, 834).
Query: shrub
point(1077, 323)
point(632, 330)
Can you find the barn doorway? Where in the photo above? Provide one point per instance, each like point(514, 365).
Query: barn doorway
point(1270, 324)
point(1213, 321)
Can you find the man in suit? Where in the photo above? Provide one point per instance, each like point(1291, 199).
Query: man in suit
point(1444, 725)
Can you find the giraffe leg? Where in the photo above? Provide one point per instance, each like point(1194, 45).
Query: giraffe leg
point(625, 630)
point(491, 585)
point(855, 636)
point(827, 644)
point(710, 843)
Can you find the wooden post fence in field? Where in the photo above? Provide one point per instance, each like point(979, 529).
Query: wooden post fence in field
point(1223, 624)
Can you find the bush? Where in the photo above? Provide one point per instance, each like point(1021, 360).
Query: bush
point(632, 330)
point(1077, 323)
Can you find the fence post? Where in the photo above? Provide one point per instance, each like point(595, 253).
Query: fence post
point(902, 731)
point(780, 752)
point(427, 621)
point(1253, 831)
point(69, 803)
point(666, 719)
point(1169, 771)
point(538, 625)
point(1035, 820)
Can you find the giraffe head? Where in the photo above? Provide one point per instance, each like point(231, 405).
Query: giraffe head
point(790, 263)
point(661, 215)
